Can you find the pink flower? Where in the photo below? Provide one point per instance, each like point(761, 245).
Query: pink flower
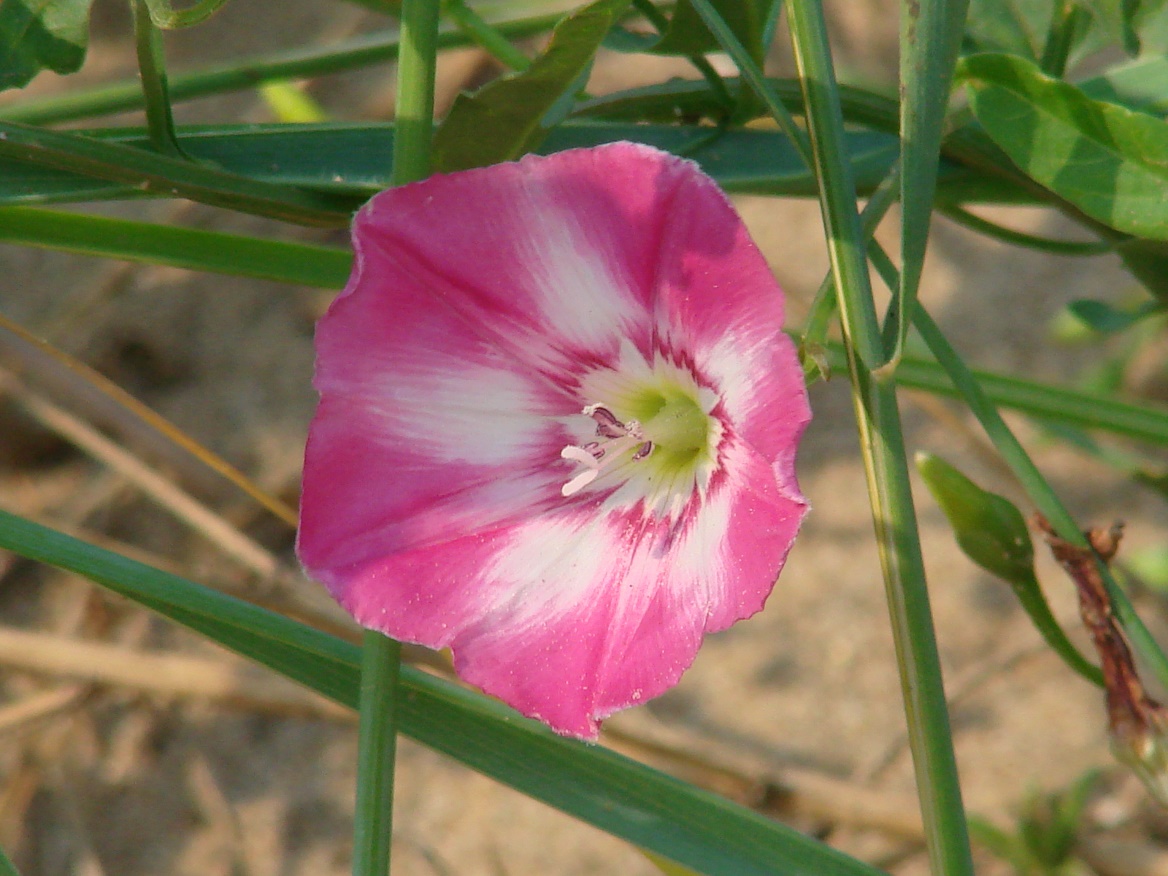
point(557, 427)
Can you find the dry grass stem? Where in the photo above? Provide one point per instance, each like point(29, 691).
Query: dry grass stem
point(229, 681)
point(196, 515)
point(26, 354)
point(30, 710)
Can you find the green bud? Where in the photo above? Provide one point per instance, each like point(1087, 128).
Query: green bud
point(989, 528)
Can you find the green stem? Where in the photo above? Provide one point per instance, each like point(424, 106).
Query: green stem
point(1020, 238)
point(1065, 23)
point(885, 458)
point(152, 69)
point(475, 26)
point(376, 753)
point(381, 662)
point(414, 115)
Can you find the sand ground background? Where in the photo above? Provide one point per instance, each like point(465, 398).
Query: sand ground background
point(122, 782)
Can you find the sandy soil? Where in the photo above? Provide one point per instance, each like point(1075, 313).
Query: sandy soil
point(128, 784)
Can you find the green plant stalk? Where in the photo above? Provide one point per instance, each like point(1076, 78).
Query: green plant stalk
point(376, 753)
point(1020, 238)
point(297, 64)
point(1068, 17)
point(152, 70)
point(885, 459)
point(381, 656)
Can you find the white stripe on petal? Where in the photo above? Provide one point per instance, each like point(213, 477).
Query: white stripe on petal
point(457, 413)
point(585, 300)
point(552, 565)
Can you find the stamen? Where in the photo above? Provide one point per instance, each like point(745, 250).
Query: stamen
point(620, 437)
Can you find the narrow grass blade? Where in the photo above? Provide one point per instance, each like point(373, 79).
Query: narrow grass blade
point(930, 37)
point(164, 175)
point(190, 248)
point(611, 792)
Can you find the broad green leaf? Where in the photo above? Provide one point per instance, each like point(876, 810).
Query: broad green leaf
point(992, 532)
point(1110, 162)
point(38, 35)
point(643, 806)
point(1138, 85)
point(510, 116)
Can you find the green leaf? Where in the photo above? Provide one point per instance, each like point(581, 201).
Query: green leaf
point(630, 800)
point(1148, 262)
point(349, 160)
point(992, 532)
point(1110, 162)
point(1138, 85)
point(688, 34)
point(510, 116)
point(1105, 319)
point(1016, 27)
point(38, 35)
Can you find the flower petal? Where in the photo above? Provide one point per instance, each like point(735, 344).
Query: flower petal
point(559, 253)
point(419, 418)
